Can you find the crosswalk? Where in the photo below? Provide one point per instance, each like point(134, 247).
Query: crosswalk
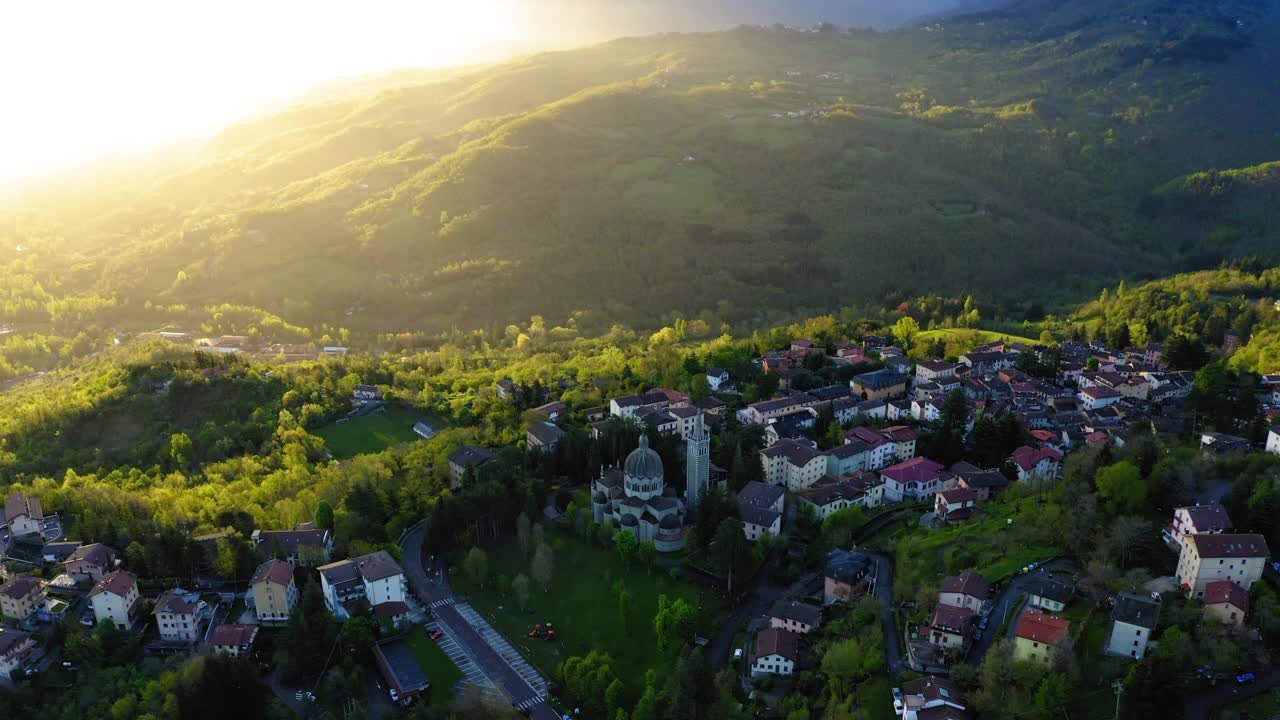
point(509, 654)
point(443, 601)
point(526, 704)
point(471, 673)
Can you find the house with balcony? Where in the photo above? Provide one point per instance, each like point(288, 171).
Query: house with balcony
point(179, 614)
point(274, 592)
point(375, 578)
point(116, 598)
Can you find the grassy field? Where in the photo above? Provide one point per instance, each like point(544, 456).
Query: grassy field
point(582, 608)
point(982, 336)
point(370, 434)
point(440, 670)
point(876, 697)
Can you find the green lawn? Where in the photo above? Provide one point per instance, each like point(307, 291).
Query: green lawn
point(370, 434)
point(440, 670)
point(983, 336)
point(1262, 707)
point(582, 608)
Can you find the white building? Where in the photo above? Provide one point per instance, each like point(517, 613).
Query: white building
point(377, 578)
point(1206, 558)
point(776, 652)
point(793, 465)
point(1196, 520)
point(179, 614)
point(1133, 619)
point(115, 597)
point(1093, 398)
point(1273, 439)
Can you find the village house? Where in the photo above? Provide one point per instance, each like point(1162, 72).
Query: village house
point(22, 515)
point(984, 483)
point(303, 547)
point(793, 465)
point(553, 410)
point(116, 598)
point(1205, 558)
point(879, 385)
point(914, 480)
point(16, 647)
point(688, 418)
point(760, 413)
point(1095, 398)
point(1042, 463)
point(1221, 443)
point(1133, 619)
point(179, 614)
point(1226, 602)
point(829, 495)
point(544, 436)
point(626, 406)
point(1039, 637)
point(955, 505)
point(760, 506)
point(1273, 439)
point(1049, 593)
point(365, 395)
point(932, 698)
point(848, 458)
point(717, 378)
point(932, 370)
point(234, 640)
point(776, 652)
point(21, 597)
point(274, 592)
point(506, 389)
point(795, 616)
point(846, 574)
point(90, 562)
point(948, 626)
point(966, 590)
point(374, 578)
point(1196, 520)
point(986, 363)
point(467, 456)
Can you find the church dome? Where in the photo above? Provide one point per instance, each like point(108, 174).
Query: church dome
point(643, 462)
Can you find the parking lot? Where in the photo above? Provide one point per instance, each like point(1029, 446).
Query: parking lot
point(509, 654)
point(471, 673)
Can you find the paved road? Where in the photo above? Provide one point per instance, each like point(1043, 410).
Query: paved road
point(755, 602)
point(490, 653)
point(888, 623)
point(1006, 602)
point(1201, 705)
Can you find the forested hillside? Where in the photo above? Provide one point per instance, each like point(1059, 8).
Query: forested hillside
point(1028, 155)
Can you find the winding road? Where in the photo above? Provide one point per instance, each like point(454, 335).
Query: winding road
point(1006, 602)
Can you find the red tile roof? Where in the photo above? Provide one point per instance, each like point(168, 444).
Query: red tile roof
point(917, 469)
point(231, 634)
point(773, 641)
point(1225, 591)
point(1043, 628)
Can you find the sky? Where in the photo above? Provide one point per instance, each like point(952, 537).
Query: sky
point(85, 81)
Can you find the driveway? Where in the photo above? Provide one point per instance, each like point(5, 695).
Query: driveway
point(1201, 705)
point(888, 622)
point(755, 602)
point(1007, 602)
point(429, 580)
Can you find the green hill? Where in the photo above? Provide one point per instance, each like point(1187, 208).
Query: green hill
point(739, 176)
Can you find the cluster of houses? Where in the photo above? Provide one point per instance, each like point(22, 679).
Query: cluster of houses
point(371, 584)
point(248, 345)
point(776, 648)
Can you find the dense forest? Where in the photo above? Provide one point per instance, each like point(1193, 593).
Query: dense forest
point(1028, 156)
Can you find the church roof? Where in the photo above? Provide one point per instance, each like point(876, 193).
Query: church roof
point(643, 462)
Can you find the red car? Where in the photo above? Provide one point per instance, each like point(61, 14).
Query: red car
point(437, 635)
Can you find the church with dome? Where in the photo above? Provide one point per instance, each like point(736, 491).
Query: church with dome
point(637, 498)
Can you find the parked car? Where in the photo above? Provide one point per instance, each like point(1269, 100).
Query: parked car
point(897, 701)
point(437, 635)
point(977, 635)
point(982, 624)
point(1246, 679)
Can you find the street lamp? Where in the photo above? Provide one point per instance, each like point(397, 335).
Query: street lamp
point(1118, 686)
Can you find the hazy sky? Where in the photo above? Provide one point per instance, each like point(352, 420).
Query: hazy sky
point(83, 79)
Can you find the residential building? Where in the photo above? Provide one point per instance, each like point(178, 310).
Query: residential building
point(234, 640)
point(21, 597)
point(1205, 558)
point(302, 547)
point(1196, 520)
point(375, 578)
point(987, 363)
point(467, 456)
point(626, 407)
point(932, 698)
point(829, 496)
point(1226, 602)
point(365, 395)
point(916, 479)
point(793, 465)
point(400, 669)
point(16, 647)
point(1039, 637)
point(760, 506)
point(879, 385)
point(955, 505)
point(22, 515)
point(1221, 443)
point(116, 598)
point(847, 459)
point(274, 592)
point(846, 574)
point(985, 483)
point(966, 590)
point(776, 652)
point(1050, 593)
point(179, 614)
point(762, 412)
point(553, 410)
point(882, 451)
point(1133, 619)
point(948, 626)
point(90, 562)
point(717, 378)
point(934, 370)
point(1095, 397)
point(544, 436)
point(1044, 463)
point(1273, 439)
point(795, 616)
point(506, 389)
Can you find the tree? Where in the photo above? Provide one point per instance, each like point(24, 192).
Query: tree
point(324, 515)
point(839, 529)
point(543, 566)
point(648, 553)
point(476, 566)
point(674, 622)
point(906, 330)
point(728, 548)
point(850, 659)
point(1122, 486)
point(627, 547)
point(625, 610)
point(181, 451)
point(522, 533)
point(1050, 697)
point(520, 587)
